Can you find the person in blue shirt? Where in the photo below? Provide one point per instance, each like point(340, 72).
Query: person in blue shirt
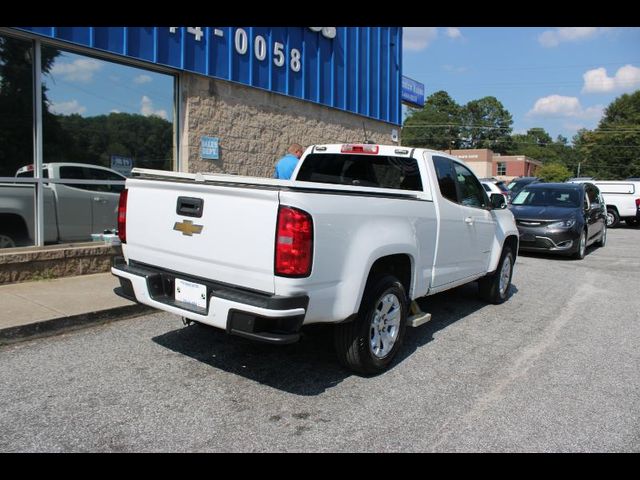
point(287, 164)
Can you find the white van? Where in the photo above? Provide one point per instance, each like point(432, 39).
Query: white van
point(623, 200)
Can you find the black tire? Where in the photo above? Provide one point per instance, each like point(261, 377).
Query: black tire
point(602, 241)
point(355, 340)
point(613, 219)
point(632, 222)
point(581, 248)
point(490, 287)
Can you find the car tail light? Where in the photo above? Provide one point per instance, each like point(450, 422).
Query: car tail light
point(122, 216)
point(366, 148)
point(637, 202)
point(294, 243)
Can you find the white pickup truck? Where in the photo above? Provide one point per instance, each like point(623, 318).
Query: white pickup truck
point(359, 232)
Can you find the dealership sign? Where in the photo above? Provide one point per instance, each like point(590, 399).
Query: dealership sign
point(412, 92)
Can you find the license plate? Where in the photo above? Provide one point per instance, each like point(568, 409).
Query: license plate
point(191, 293)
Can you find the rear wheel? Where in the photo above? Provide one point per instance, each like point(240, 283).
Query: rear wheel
point(494, 288)
point(632, 222)
point(369, 344)
point(613, 219)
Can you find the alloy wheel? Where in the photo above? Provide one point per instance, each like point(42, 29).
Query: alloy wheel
point(505, 275)
point(385, 325)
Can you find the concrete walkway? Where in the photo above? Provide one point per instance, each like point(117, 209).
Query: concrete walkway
point(45, 307)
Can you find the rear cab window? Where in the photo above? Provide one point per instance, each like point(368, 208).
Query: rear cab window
point(382, 171)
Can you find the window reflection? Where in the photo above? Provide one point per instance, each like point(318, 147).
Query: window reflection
point(17, 200)
point(103, 119)
point(99, 120)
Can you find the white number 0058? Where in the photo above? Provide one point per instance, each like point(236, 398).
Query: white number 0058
point(241, 45)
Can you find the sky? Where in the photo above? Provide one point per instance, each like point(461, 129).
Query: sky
point(89, 87)
point(560, 79)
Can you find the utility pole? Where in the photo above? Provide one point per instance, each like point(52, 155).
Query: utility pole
point(578, 170)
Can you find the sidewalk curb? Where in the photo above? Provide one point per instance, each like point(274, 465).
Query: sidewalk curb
point(60, 325)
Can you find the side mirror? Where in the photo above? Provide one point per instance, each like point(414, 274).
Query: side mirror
point(498, 201)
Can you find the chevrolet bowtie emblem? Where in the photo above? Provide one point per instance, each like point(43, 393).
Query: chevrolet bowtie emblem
point(187, 227)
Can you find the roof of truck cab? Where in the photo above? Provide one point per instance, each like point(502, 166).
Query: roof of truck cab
point(337, 148)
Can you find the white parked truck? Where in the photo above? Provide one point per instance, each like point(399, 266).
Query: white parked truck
point(357, 235)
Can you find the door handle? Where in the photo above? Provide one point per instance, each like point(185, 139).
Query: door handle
point(468, 221)
point(99, 200)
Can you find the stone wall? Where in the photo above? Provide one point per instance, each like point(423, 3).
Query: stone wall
point(255, 127)
point(38, 263)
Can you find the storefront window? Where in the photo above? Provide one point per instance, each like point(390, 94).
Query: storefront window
point(16, 142)
point(103, 113)
point(99, 120)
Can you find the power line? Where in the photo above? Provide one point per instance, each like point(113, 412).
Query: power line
point(540, 67)
point(605, 130)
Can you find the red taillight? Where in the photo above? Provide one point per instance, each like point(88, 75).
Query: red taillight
point(294, 243)
point(637, 202)
point(122, 216)
point(366, 148)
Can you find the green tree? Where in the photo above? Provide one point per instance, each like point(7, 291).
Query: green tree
point(16, 104)
point(612, 150)
point(148, 140)
point(487, 125)
point(537, 144)
point(554, 172)
point(435, 126)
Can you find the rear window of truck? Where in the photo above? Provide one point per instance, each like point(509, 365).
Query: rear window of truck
point(363, 170)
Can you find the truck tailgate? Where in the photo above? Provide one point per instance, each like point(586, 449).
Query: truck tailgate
point(234, 246)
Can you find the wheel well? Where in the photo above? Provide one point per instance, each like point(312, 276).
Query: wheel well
point(614, 208)
point(13, 224)
point(511, 241)
point(397, 265)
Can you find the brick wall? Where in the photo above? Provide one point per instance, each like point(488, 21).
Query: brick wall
point(255, 127)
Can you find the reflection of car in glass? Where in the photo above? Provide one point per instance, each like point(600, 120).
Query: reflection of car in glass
point(72, 212)
point(519, 183)
point(560, 217)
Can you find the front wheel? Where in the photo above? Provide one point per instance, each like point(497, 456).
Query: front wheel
point(494, 288)
point(368, 344)
point(582, 246)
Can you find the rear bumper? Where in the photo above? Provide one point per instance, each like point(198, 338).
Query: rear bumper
point(255, 315)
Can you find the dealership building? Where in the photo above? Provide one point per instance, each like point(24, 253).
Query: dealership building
point(486, 163)
point(192, 99)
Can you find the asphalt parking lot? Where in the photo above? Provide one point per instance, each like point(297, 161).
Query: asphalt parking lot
point(554, 369)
